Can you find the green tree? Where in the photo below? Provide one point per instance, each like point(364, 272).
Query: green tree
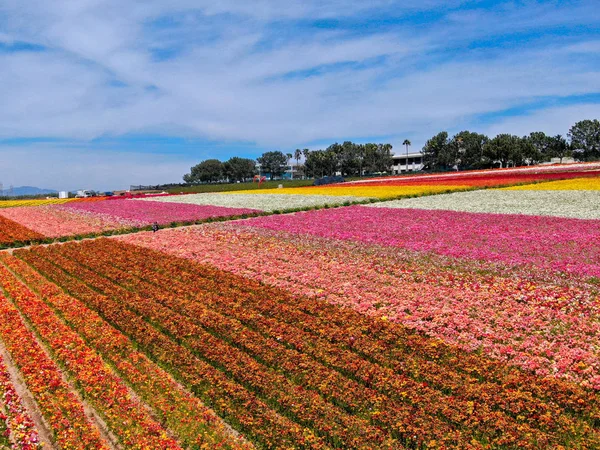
point(360, 158)
point(239, 169)
point(465, 151)
point(407, 144)
point(542, 144)
point(585, 139)
point(527, 153)
point(559, 148)
point(434, 152)
point(297, 156)
point(314, 163)
point(273, 163)
point(370, 158)
point(289, 157)
point(348, 159)
point(384, 157)
point(377, 158)
point(506, 149)
point(207, 171)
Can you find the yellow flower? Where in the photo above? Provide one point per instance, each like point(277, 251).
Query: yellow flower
point(379, 192)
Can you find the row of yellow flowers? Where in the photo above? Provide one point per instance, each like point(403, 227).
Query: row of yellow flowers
point(34, 202)
point(576, 184)
point(380, 192)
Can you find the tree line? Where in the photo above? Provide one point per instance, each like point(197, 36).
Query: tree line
point(465, 150)
point(469, 150)
point(349, 159)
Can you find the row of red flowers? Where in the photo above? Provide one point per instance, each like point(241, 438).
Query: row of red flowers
point(195, 320)
point(274, 311)
point(352, 380)
point(99, 385)
point(491, 177)
point(183, 413)
point(21, 429)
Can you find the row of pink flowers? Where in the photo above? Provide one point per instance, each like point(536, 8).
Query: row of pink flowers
point(540, 326)
point(88, 217)
point(144, 213)
point(559, 244)
point(56, 221)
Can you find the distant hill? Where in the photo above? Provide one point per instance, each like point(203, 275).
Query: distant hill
point(27, 190)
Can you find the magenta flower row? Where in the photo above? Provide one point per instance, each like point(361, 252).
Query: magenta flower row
point(558, 244)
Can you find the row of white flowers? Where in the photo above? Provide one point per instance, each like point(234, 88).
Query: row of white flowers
point(263, 202)
point(574, 204)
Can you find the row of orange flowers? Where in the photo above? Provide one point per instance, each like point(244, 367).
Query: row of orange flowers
point(326, 321)
point(11, 231)
point(101, 387)
point(365, 368)
point(184, 414)
point(241, 408)
point(274, 371)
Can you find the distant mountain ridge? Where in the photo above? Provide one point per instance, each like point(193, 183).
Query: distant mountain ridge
point(26, 190)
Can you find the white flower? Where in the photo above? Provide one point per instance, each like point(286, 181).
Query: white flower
point(263, 202)
point(574, 204)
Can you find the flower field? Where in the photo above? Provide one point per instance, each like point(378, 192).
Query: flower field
point(17, 424)
point(285, 370)
point(89, 218)
point(11, 231)
point(466, 320)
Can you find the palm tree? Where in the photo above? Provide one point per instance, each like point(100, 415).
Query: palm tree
point(305, 153)
point(289, 158)
point(297, 156)
point(407, 144)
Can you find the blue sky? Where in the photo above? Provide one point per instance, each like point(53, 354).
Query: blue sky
point(103, 94)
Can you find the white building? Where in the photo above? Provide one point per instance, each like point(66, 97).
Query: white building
point(401, 165)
